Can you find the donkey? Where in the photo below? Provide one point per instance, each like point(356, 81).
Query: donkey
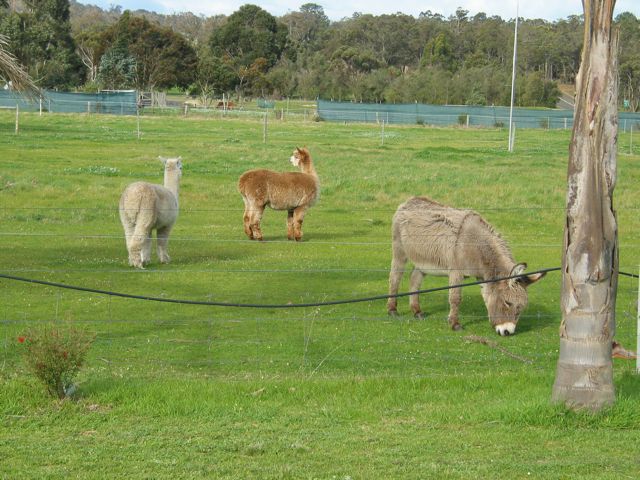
point(145, 207)
point(294, 192)
point(445, 241)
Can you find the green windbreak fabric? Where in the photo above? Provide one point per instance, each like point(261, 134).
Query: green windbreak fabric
point(114, 103)
point(421, 114)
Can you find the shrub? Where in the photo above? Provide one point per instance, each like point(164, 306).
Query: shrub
point(55, 354)
point(462, 119)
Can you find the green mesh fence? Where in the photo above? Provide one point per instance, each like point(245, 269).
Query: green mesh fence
point(417, 113)
point(114, 103)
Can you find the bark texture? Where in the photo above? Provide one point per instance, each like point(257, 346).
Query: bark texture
point(584, 376)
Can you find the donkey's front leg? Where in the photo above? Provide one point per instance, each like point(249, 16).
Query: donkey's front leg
point(455, 297)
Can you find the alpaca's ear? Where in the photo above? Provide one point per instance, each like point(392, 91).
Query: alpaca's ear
point(299, 149)
point(162, 159)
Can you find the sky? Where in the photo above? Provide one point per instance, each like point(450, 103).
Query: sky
point(338, 9)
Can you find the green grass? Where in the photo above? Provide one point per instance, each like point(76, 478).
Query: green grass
point(175, 391)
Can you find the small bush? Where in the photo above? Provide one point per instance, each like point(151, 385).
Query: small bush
point(498, 124)
point(462, 119)
point(55, 354)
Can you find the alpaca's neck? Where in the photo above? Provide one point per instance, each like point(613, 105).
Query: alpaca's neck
point(308, 169)
point(172, 182)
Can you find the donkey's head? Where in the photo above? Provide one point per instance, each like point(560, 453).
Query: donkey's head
point(300, 158)
point(506, 299)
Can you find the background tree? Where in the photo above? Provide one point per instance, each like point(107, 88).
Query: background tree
point(162, 57)
point(248, 35)
point(40, 37)
point(12, 71)
point(584, 376)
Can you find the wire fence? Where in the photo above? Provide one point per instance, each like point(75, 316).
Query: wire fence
point(318, 338)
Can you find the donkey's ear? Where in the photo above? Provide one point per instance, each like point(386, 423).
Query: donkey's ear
point(517, 270)
point(527, 280)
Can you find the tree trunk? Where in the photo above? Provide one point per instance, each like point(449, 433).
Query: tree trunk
point(584, 376)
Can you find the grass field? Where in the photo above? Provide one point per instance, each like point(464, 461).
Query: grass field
point(339, 392)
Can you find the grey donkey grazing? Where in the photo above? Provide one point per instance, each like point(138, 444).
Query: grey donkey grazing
point(445, 241)
point(145, 207)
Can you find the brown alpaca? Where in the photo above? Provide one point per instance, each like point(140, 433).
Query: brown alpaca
point(294, 192)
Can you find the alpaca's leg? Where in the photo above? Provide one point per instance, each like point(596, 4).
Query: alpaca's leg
point(163, 241)
point(256, 215)
point(298, 218)
point(414, 284)
point(246, 218)
point(137, 244)
point(128, 234)
point(290, 234)
point(146, 249)
point(395, 275)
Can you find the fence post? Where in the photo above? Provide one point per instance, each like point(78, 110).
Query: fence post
point(467, 121)
point(40, 102)
point(138, 121)
point(89, 107)
point(638, 328)
point(382, 134)
point(631, 140)
point(186, 109)
point(565, 123)
point(264, 129)
point(17, 118)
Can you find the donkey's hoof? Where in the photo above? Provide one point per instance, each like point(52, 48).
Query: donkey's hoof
point(420, 315)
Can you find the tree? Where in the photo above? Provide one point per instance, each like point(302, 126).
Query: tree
point(212, 75)
point(249, 33)
point(162, 57)
point(584, 376)
point(12, 71)
point(40, 38)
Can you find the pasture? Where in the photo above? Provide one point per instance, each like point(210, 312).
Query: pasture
point(334, 392)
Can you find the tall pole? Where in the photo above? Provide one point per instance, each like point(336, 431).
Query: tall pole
point(513, 78)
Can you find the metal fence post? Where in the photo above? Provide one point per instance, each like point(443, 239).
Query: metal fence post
point(17, 118)
point(264, 129)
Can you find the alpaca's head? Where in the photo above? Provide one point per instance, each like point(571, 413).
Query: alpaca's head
point(300, 157)
point(172, 165)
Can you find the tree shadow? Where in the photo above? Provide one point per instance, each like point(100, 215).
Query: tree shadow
point(629, 384)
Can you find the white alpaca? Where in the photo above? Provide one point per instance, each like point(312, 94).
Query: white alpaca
point(145, 207)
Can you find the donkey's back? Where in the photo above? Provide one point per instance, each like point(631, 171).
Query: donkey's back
point(428, 234)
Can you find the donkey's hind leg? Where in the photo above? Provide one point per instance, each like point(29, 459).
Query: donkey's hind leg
point(415, 283)
point(455, 297)
point(395, 275)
